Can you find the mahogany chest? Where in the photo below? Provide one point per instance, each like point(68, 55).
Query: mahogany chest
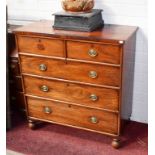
point(78, 79)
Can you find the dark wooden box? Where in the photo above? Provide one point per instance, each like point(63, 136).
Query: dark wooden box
point(79, 21)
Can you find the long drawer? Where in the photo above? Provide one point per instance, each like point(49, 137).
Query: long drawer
point(94, 97)
point(83, 72)
point(96, 120)
point(41, 46)
point(94, 52)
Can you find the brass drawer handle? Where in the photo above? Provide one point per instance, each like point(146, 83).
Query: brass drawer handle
point(93, 97)
point(94, 120)
point(93, 74)
point(92, 53)
point(42, 67)
point(44, 88)
point(47, 110)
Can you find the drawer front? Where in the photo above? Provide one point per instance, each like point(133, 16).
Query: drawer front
point(94, 52)
point(42, 46)
point(73, 115)
point(94, 97)
point(89, 73)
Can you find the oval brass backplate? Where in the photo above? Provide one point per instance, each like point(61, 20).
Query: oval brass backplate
point(93, 120)
point(93, 97)
point(42, 67)
point(92, 53)
point(93, 74)
point(47, 110)
point(44, 88)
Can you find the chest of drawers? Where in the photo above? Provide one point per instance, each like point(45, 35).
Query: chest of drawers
point(78, 79)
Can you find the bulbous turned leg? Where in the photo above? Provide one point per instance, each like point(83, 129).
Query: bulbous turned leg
point(116, 143)
point(31, 124)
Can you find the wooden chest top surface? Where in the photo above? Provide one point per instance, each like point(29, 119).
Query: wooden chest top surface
point(109, 33)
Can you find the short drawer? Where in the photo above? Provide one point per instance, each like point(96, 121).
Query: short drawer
point(94, 52)
point(41, 46)
point(96, 120)
point(83, 72)
point(94, 97)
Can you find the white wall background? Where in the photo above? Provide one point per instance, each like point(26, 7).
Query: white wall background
point(123, 12)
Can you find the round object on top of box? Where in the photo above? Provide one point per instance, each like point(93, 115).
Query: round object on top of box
point(77, 5)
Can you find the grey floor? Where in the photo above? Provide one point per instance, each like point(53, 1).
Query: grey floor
point(9, 152)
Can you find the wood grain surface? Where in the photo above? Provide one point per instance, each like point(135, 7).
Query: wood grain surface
point(73, 115)
point(106, 75)
point(105, 53)
point(42, 46)
point(74, 93)
point(107, 34)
